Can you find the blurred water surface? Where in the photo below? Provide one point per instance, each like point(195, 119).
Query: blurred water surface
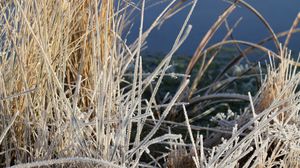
point(279, 13)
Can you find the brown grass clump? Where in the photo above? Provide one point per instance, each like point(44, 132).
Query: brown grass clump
point(64, 98)
point(85, 20)
point(180, 158)
point(274, 84)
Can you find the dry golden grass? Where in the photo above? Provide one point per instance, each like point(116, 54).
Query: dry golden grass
point(275, 83)
point(65, 99)
point(61, 100)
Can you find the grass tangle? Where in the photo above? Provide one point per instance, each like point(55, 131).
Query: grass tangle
point(74, 92)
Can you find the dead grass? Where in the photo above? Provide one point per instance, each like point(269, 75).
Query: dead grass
point(65, 101)
point(61, 72)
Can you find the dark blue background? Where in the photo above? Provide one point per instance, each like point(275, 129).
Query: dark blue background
point(279, 13)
